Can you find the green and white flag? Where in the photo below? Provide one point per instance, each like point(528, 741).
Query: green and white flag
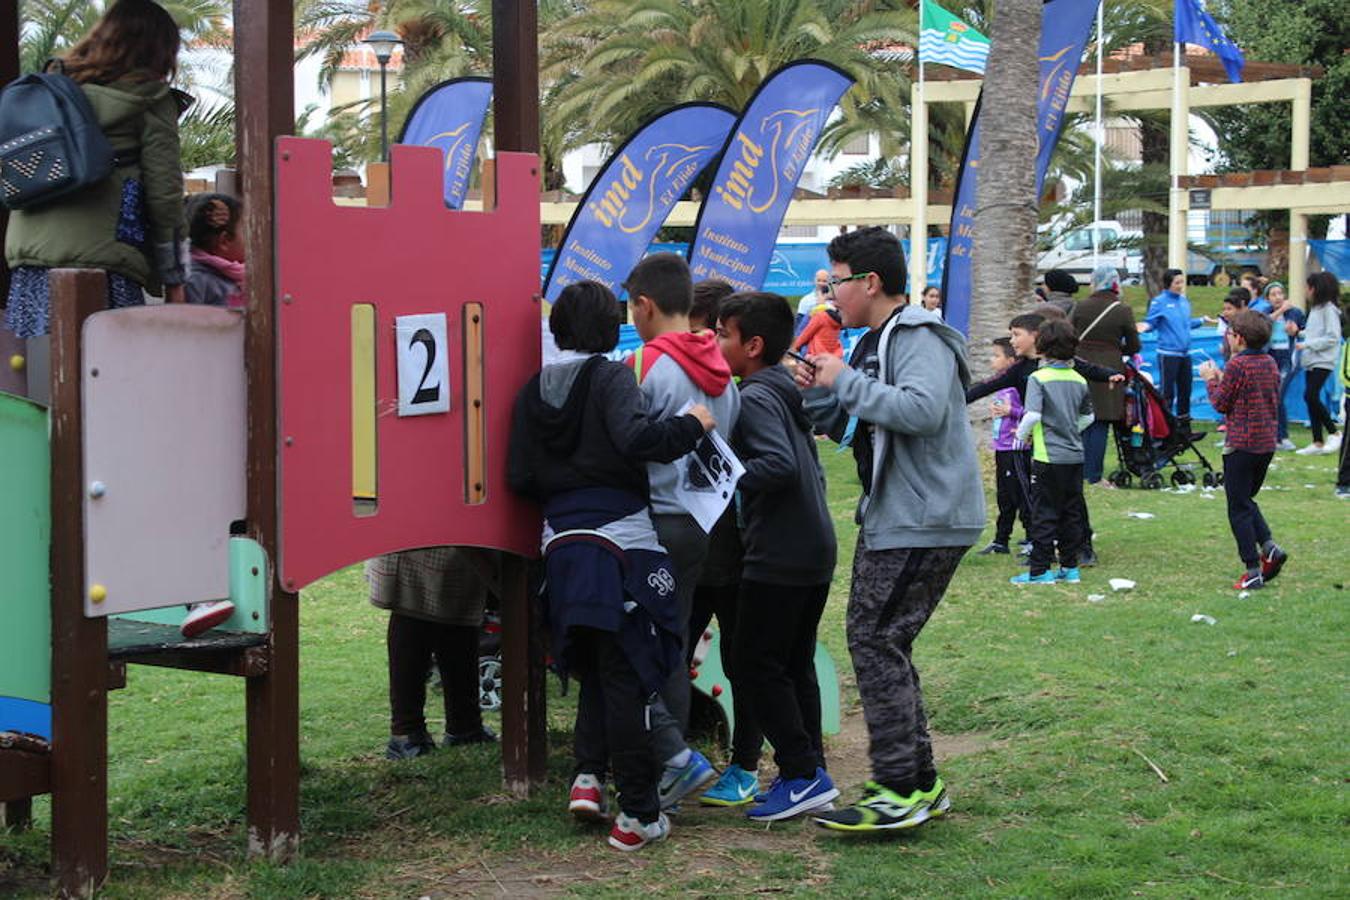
point(943, 38)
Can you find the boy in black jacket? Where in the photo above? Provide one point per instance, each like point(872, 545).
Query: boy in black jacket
point(580, 441)
point(789, 553)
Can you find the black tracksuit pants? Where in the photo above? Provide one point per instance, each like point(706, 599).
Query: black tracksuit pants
point(775, 653)
point(413, 643)
point(747, 740)
point(1243, 475)
point(1057, 515)
point(611, 698)
point(1009, 483)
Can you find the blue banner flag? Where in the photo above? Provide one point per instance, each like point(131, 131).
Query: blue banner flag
point(450, 116)
point(634, 193)
point(1066, 26)
point(739, 221)
point(1192, 25)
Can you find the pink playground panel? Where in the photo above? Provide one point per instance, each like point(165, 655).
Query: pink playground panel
point(413, 257)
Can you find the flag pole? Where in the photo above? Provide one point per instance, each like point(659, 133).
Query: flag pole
point(1097, 150)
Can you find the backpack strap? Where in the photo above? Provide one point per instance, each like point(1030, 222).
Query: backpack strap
point(1095, 322)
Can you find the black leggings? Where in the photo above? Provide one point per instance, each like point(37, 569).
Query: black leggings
point(1318, 416)
point(412, 645)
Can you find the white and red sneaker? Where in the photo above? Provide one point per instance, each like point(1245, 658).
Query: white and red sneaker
point(587, 800)
point(202, 617)
point(628, 834)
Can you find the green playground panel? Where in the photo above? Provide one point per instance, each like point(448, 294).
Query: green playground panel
point(248, 592)
point(25, 540)
point(710, 675)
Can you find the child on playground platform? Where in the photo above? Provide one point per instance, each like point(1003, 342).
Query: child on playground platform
point(789, 555)
point(1246, 391)
point(216, 255)
point(1010, 467)
point(580, 441)
point(1058, 407)
point(674, 368)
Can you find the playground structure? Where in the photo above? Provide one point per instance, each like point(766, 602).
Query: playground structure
point(111, 511)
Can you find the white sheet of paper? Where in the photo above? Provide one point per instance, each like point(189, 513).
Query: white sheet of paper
point(423, 355)
point(707, 480)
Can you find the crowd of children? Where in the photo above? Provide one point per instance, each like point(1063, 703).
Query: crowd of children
point(612, 452)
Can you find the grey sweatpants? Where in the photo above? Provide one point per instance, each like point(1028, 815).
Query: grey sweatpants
point(892, 595)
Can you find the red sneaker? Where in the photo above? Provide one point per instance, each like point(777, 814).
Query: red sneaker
point(1249, 583)
point(1272, 563)
point(205, 616)
point(628, 834)
point(587, 800)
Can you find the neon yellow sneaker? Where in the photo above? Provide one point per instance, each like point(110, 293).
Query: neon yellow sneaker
point(882, 809)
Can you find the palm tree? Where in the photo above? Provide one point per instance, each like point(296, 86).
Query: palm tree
point(1003, 254)
point(617, 63)
point(52, 26)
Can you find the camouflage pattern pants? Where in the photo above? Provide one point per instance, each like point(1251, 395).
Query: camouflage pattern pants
point(892, 595)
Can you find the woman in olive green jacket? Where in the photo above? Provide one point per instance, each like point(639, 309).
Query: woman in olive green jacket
point(130, 224)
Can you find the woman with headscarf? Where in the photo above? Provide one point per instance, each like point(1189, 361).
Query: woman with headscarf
point(1106, 333)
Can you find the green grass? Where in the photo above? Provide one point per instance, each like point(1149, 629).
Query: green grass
point(1057, 702)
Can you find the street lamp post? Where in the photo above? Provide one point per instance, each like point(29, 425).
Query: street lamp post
point(383, 44)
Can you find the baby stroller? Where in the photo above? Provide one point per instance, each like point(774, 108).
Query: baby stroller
point(1153, 438)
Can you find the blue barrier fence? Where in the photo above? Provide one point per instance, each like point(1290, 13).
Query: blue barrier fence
point(1205, 344)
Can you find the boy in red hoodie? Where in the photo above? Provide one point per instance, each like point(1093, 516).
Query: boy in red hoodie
point(676, 368)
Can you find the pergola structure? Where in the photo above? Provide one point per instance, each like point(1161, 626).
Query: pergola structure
point(1144, 83)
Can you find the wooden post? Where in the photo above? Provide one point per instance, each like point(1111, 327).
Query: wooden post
point(79, 764)
point(1299, 119)
point(1178, 199)
point(515, 110)
point(264, 87)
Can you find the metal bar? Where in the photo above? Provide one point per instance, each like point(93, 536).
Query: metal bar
point(79, 644)
point(264, 88)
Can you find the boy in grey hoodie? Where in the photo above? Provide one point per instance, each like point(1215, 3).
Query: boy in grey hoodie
point(675, 368)
point(900, 400)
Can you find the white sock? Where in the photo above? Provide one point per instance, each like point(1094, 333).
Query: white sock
point(679, 760)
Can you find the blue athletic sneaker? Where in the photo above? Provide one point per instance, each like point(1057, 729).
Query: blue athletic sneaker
point(794, 796)
point(676, 784)
point(1046, 577)
point(1068, 576)
point(736, 787)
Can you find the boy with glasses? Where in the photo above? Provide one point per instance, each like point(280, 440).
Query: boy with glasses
point(900, 401)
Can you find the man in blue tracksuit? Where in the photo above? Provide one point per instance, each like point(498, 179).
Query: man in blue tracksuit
point(1169, 314)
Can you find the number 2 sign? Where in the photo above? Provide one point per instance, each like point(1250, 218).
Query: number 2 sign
point(423, 365)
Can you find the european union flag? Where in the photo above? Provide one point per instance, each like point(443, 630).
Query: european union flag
point(1192, 25)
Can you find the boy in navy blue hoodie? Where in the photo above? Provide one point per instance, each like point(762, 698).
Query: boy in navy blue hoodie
point(789, 554)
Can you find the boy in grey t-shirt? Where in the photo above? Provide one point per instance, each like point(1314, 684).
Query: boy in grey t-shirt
point(1057, 409)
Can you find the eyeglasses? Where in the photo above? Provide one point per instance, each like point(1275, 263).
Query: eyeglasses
point(834, 280)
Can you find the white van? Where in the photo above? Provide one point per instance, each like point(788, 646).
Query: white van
point(1073, 251)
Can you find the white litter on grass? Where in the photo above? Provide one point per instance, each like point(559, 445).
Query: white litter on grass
point(1140, 515)
point(1310, 486)
point(1096, 598)
point(1202, 618)
point(1243, 595)
point(1121, 584)
point(1232, 653)
point(1184, 489)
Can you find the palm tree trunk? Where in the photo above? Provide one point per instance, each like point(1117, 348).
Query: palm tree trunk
point(1003, 252)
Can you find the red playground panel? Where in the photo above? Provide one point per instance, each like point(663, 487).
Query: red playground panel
point(440, 477)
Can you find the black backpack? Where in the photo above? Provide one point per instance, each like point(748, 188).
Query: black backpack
point(50, 141)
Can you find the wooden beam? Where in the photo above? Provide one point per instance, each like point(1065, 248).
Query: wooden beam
point(23, 775)
point(264, 92)
point(515, 99)
point(1311, 198)
point(79, 762)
